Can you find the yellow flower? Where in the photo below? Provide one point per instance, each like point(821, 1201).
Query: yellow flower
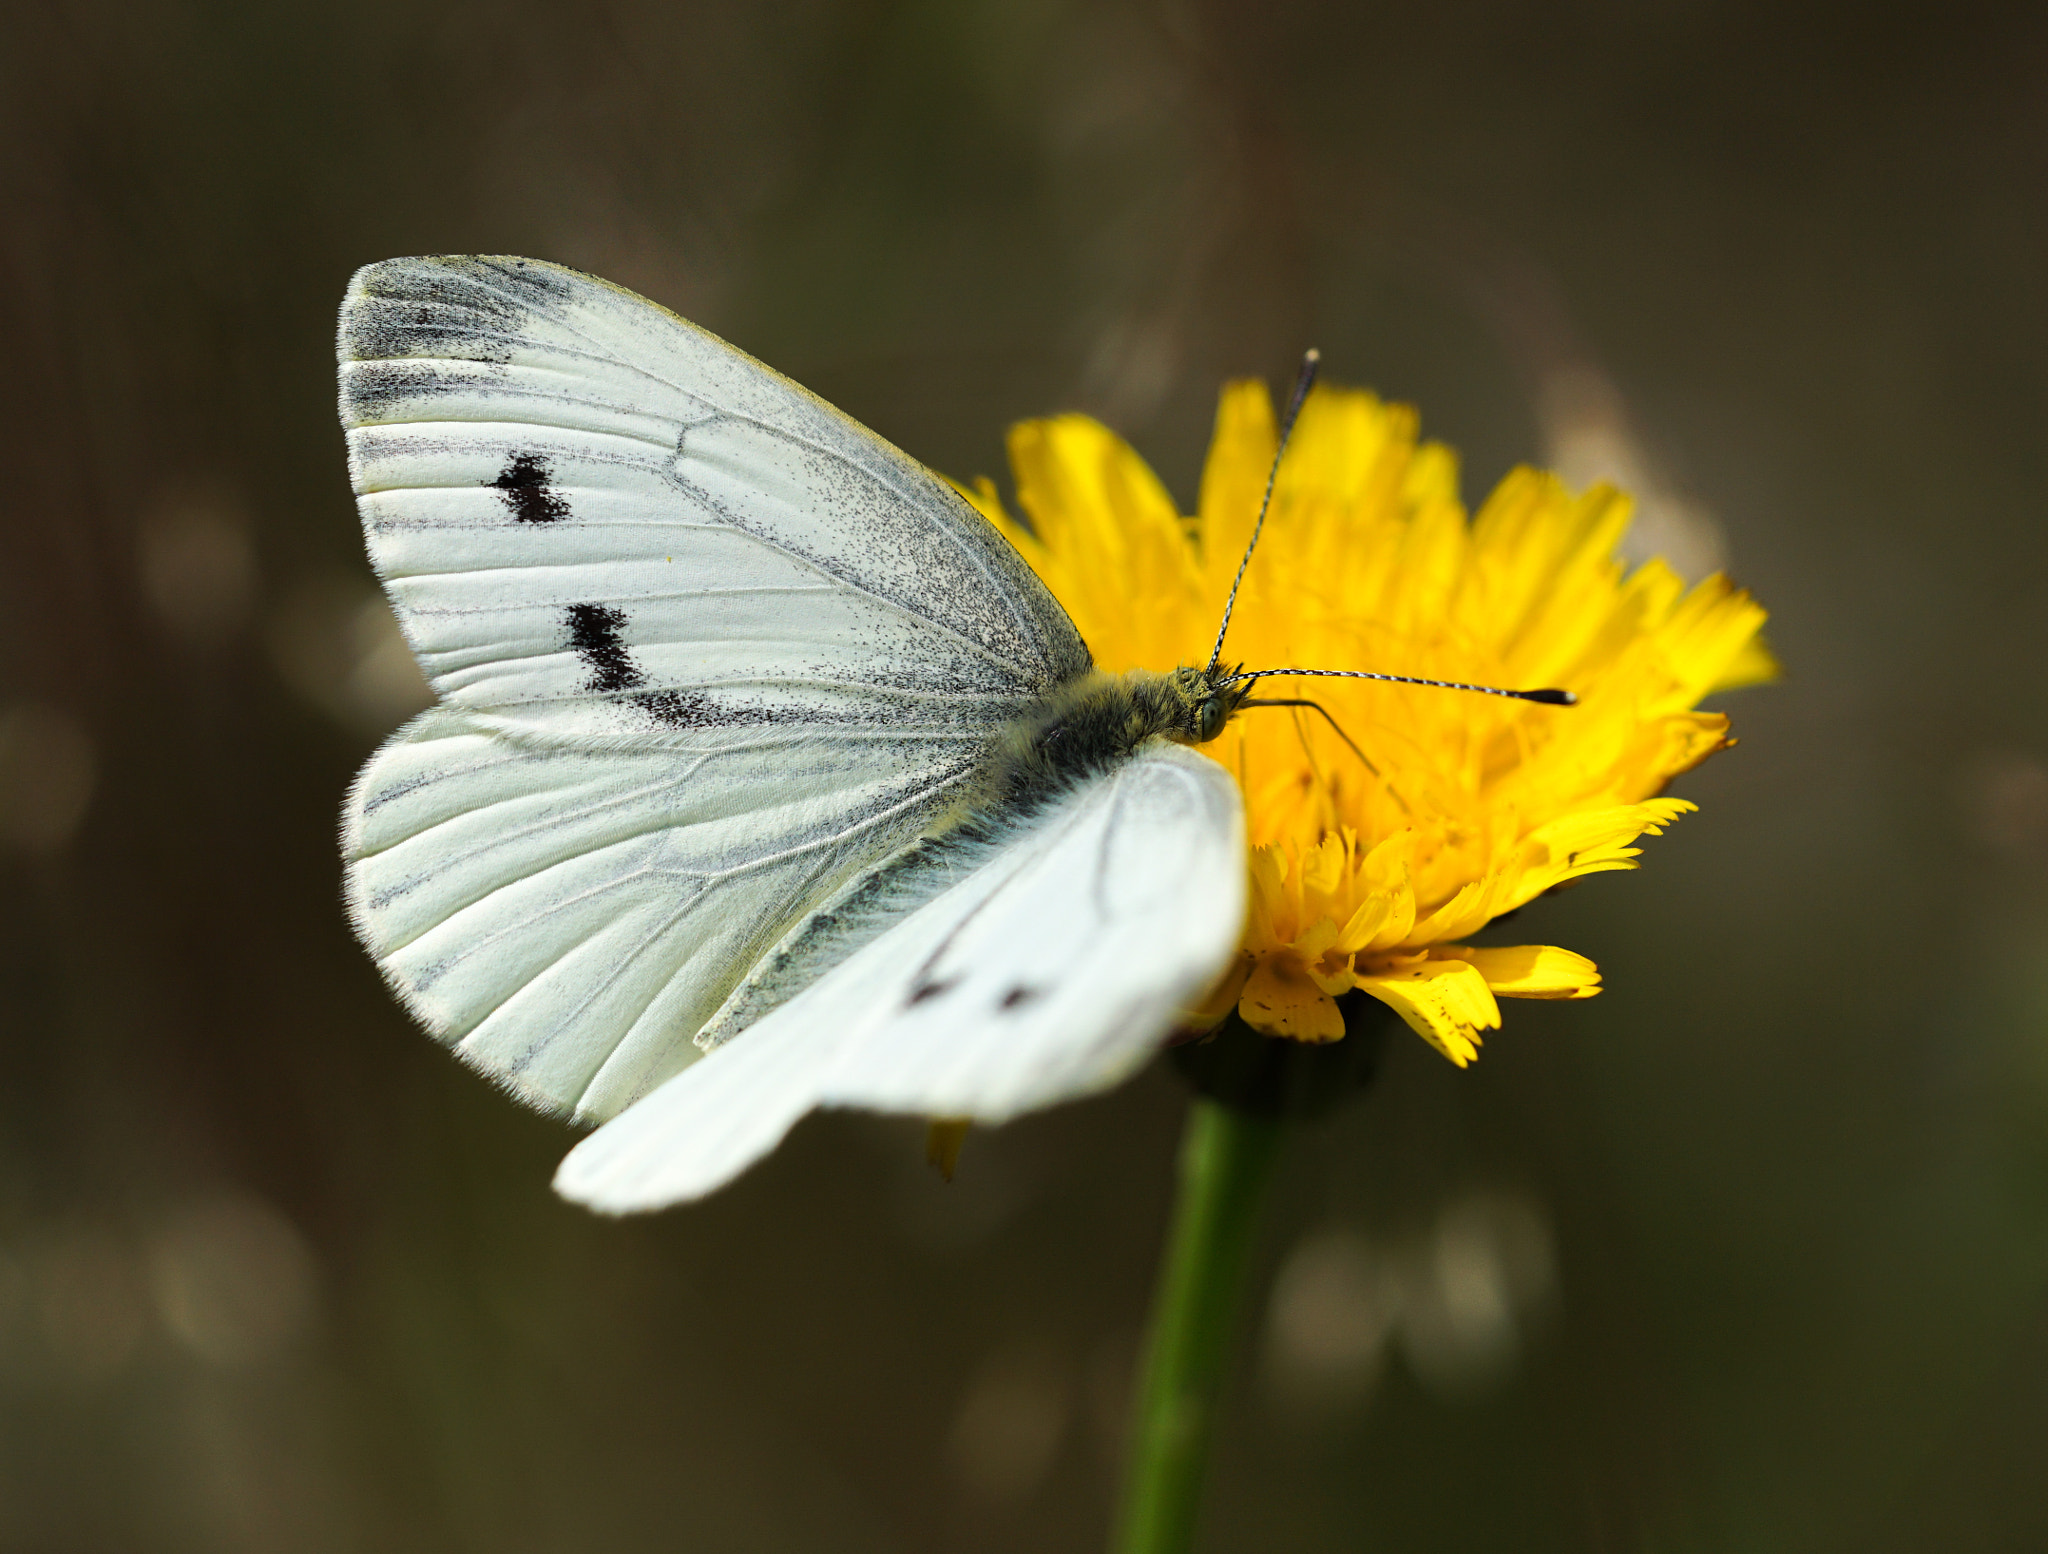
point(1371, 865)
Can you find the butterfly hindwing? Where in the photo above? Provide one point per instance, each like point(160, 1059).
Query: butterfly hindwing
point(568, 918)
point(1050, 967)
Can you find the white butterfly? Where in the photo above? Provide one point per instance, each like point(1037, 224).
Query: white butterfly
point(765, 775)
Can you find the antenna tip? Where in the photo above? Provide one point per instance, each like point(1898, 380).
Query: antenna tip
point(1312, 356)
point(1550, 698)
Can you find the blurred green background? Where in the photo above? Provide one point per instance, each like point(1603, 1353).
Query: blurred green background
point(1750, 1253)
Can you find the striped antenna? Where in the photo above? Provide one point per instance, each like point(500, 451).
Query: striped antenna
point(1309, 362)
point(1549, 698)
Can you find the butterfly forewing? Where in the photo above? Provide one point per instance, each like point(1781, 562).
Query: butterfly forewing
point(707, 651)
point(595, 517)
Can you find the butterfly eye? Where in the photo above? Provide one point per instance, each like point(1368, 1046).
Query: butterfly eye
point(1210, 718)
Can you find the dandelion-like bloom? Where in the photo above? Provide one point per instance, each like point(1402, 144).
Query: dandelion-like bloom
point(1371, 866)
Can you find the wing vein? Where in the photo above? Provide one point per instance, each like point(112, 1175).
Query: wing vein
point(1019, 618)
point(980, 650)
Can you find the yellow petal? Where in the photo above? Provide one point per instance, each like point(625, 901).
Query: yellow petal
point(1755, 664)
point(1387, 872)
point(1432, 476)
point(1234, 476)
point(1712, 634)
point(1110, 542)
point(1447, 1002)
point(1327, 964)
point(1467, 912)
point(1528, 970)
point(1281, 999)
point(1365, 924)
point(1685, 740)
point(1588, 843)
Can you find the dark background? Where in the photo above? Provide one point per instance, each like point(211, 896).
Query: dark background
point(1749, 1253)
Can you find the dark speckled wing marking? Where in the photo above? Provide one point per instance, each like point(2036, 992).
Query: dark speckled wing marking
point(594, 634)
point(706, 651)
point(523, 486)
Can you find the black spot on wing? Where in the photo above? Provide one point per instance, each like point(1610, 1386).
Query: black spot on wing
point(927, 988)
point(523, 486)
point(594, 636)
point(1021, 995)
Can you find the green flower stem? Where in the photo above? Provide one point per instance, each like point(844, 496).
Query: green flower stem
point(1226, 1157)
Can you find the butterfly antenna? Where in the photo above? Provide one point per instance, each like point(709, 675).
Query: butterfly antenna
point(1550, 697)
point(1303, 379)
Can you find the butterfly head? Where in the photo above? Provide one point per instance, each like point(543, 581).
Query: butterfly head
point(1206, 701)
